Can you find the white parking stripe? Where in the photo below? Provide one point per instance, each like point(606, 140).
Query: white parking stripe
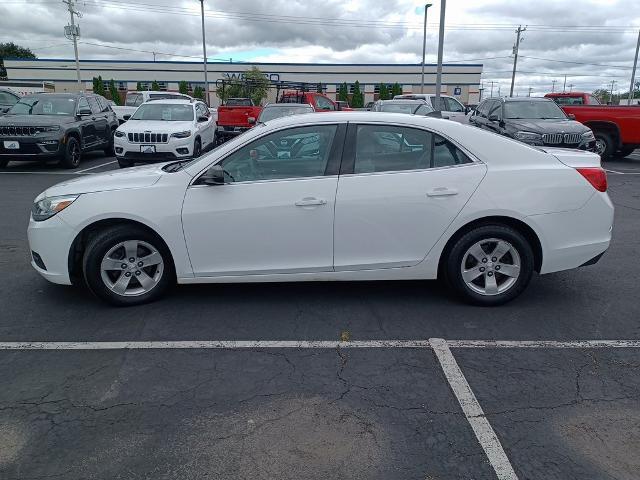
point(543, 344)
point(97, 166)
point(36, 172)
point(473, 411)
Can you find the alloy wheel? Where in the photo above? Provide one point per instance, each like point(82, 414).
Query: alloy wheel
point(601, 146)
point(132, 268)
point(491, 266)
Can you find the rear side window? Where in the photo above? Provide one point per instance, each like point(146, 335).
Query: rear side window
point(386, 148)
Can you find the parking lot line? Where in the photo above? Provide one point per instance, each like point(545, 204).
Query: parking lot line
point(543, 344)
point(97, 166)
point(36, 172)
point(473, 411)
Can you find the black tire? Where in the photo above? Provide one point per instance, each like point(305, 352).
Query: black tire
point(108, 151)
point(625, 151)
point(453, 264)
point(72, 154)
point(106, 240)
point(4, 163)
point(197, 148)
point(607, 147)
point(124, 163)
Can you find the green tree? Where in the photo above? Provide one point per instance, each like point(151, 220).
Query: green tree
point(198, 92)
point(319, 89)
point(11, 50)
point(396, 89)
point(384, 92)
point(139, 87)
point(343, 92)
point(183, 87)
point(254, 85)
point(98, 86)
point(357, 98)
point(114, 93)
point(154, 86)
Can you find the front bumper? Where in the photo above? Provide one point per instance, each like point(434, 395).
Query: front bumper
point(36, 147)
point(50, 242)
point(587, 146)
point(173, 149)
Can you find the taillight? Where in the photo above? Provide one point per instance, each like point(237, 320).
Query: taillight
point(596, 176)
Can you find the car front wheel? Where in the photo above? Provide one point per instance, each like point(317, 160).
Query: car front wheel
point(604, 145)
point(126, 265)
point(490, 265)
point(72, 154)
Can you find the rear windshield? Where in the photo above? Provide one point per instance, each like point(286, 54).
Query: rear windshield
point(239, 102)
point(405, 107)
point(269, 113)
point(165, 112)
point(41, 105)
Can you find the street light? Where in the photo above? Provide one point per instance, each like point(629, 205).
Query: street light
point(424, 44)
point(443, 7)
point(204, 52)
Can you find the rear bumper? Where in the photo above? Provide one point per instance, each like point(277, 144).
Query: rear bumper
point(577, 238)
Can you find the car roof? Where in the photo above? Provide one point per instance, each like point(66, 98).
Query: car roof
point(526, 99)
point(363, 117)
point(403, 101)
point(289, 105)
point(173, 101)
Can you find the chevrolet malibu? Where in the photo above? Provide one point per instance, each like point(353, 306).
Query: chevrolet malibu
point(340, 196)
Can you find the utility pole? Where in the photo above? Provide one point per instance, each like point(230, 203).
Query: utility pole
point(154, 56)
point(570, 87)
point(424, 44)
point(499, 90)
point(530, 90)
point(204, 53)
point(491, 92)
point(74, 32)
point(515, 57)
point(633, 72)
point(564, 87)
point(553, 85)
point(443, 8)
point(612, 84)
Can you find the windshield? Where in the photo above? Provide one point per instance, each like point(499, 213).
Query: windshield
point(540, 110)
point(164, 112)
point(40, 105)
point(269, 113)
point(404, 107)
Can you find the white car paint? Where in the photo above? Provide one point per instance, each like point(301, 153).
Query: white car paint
point(454, 110)
point(392, 225)
point(205, 131)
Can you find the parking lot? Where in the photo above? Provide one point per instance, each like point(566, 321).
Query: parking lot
point(320, 380)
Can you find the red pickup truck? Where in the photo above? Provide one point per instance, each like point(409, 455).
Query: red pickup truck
point(236, 116)
point(616, 127)
point(319, 102)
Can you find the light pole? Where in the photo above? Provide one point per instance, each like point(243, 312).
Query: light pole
point(424, 44)
point(443, 8)
point(204, 53)
point(633, 72)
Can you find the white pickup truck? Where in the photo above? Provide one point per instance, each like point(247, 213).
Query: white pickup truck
point(135, 99)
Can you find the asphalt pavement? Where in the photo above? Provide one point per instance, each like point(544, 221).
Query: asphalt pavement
point(231, 382)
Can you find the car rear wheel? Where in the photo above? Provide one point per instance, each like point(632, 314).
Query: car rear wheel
point(72, 154)
point(490, 265)
point(604, 145)
point(126, 265)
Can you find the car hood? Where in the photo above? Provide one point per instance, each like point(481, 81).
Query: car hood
point(36, 120)
point(154, 126)
point(138, 177)
point(547, 126)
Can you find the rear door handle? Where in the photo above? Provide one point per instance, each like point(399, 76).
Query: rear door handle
point(310, 201)
point(442, 192)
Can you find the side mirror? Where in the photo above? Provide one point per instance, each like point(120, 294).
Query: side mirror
point(203, 119)
point(493, 117)
point(213, 176)
point(251, 120)
point(571, 116)
point(83, 112)
point(467, 110)
point(126, 117)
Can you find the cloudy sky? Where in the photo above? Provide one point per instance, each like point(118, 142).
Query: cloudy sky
point(591, 42)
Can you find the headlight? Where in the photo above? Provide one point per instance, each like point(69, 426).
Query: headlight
point(528, 136)
point(52, 128)
point(49, 206)
point(185, 134)
point(588, 136)
point(119, 134)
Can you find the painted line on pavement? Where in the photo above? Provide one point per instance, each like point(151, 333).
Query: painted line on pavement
point(97, 166)
point(35, 172)
point(473, 411)
point(613, 171)
point(301, 344)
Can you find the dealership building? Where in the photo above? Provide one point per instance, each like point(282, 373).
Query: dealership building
point(459, 80)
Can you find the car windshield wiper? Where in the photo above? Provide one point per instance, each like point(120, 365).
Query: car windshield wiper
point(176, 166)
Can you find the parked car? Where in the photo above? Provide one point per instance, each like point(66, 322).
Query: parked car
point(417, 107)
point(342, 196)
point(368, 106)
point(7, 100)
point(235, 116)
point(536, 121)
point(56, 126)
point(271, 111)
point(319, 101)
point(164, 130)
point(450, 107)
point(342, 105)
point(134, 99)
point(616, 128)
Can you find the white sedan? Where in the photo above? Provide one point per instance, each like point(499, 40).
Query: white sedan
point(338, 196)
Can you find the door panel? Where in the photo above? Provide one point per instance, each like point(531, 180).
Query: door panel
point(99, 120)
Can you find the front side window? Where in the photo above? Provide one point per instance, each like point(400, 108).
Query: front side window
point(201, 110)
point(7, 98)
point(591, 100)
point(324, 103)
point(165, 112)
point(386, 148)
point(291, 153)
point(453, 105)
point(45, 105)
point(83, 105)
point(495, 109)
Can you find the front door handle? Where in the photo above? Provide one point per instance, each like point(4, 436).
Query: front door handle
point(442, 192)
point(310, 202)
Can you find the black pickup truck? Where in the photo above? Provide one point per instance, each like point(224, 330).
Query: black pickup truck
point(56, 126)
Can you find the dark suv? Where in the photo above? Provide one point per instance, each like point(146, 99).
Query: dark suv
point(56, 126)
point(7, 100)
point(536, 121)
